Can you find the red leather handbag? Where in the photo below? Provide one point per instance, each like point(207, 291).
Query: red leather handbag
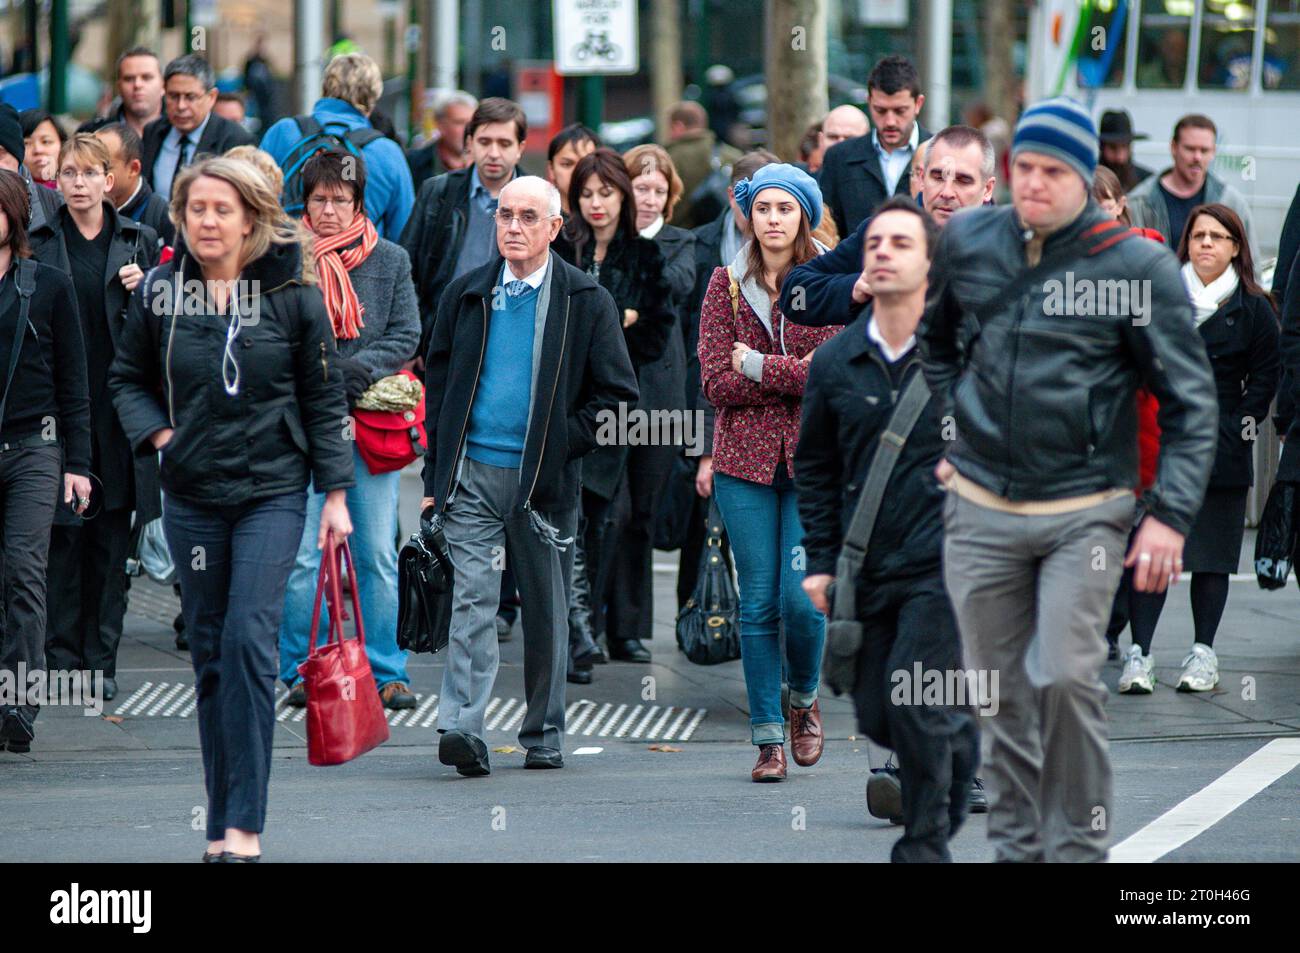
point(345, 717)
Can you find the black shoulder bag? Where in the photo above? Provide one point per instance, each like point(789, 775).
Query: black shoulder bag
point(425, 580)
point(25, 282)
point(708, 627)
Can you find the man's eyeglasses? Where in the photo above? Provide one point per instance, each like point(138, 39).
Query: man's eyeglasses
point(527, 218)
point(317, 203)
point(189, 99)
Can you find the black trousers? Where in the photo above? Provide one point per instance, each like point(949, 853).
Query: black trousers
point(87, 592)
point(29, 482)
point(907, 622)
point(629, 545)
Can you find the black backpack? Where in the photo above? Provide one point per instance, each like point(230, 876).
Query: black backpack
point(333, 137)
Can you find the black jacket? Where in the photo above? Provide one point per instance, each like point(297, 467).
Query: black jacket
point(129, 481)
point(852, 183)
point(50, 380)
point(584, 369)
point(1289, 467)
point(663, 382)
point(150, 208)
point(287, 422)
point(1044, 401)
point(847, 403)
point(1241, 340)
point(433, 237)
point(219, 137)
point(825, 283)
point(43, 203)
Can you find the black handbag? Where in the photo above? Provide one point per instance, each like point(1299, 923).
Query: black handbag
point(1275, 541)
point(708, 626)
point(424, 589)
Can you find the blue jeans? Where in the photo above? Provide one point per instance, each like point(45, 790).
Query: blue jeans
point(763, 526)
point(233, 562)
point(372, 505)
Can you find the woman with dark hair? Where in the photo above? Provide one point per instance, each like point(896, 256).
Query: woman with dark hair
point(226, 365)
point(371, 304)
point(44, 432)
point(43, 137)
point(601, 238)
point(1238, 323)
point(753, 365)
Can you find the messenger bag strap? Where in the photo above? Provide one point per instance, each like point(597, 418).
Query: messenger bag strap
point(892, 439)
point(25, 282)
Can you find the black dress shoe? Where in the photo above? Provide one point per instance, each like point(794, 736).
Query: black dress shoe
point(629, 651)
point(978, 802)
point(182, 643)
point(16, 731)
point(578, 676)
point(885, 795)
point(297, 695)
point(467, 753)
point(543, 758)
point(110, 689)
point(588, 659)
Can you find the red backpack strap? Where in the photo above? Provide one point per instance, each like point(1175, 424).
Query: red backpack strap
point(1105, 234)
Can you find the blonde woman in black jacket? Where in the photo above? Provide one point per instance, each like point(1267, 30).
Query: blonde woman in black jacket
point(251, 409)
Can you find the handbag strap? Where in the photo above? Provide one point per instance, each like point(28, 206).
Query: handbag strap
point(25, 282)
point(892, 439)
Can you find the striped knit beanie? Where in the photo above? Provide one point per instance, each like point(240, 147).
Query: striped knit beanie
point(1062, 129)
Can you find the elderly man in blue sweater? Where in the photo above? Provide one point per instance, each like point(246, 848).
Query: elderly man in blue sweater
point(351, 88)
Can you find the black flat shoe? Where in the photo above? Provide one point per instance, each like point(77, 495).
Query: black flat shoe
point(540, 757)
point(579, 676)
point(210, 858)
point(588, 659)
point(110, 689)
point(230, 858)
point(467, 753)
point(631, 650)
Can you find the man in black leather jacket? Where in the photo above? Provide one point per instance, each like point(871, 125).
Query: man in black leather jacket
point(1041, 321)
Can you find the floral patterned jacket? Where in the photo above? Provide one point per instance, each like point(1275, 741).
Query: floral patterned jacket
point(757, 422)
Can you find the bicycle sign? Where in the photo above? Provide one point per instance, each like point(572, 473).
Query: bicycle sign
point(595, 37)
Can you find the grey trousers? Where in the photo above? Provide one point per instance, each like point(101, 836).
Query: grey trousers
point(1032, 595)
point(480, 525)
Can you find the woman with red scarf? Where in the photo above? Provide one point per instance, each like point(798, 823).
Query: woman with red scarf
point(366, 283)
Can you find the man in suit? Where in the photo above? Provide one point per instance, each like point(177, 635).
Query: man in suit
point(858, 174)
point(188, 126)
point(139, 98)
point(131, 194)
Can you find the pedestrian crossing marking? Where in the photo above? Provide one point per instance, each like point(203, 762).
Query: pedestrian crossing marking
point(583, 718)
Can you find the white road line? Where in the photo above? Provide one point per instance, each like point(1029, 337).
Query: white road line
point(180, 701)
point(622, 730)
point(588, 750)
point(571, 727)
point(695, 723)
point(595, 721)
point(491, 707)
point(659, 725)
point(161, 703)
point(677, 723)
point(1211, 804)
point(302, 713)
point(516, 718)
point(148, 699)
point(285, 712)
point(134, 696)
point(568, 714)
point(612, 721)
point(501, 713)
point(397, 720)
point(636, 732)
point(193, 703)
point(421, 710)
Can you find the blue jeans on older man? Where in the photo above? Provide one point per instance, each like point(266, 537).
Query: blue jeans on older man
point(372, 505)
point(763, 526)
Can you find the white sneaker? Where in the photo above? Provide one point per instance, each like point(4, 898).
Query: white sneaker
point(1139, 675)
point(1200, 670)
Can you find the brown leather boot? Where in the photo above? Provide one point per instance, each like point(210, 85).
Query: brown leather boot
point(806, 739)
point(771, 764)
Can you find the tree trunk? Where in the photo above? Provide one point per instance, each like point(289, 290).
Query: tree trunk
point(795, 72)
point(666, 61)
point(999, 63)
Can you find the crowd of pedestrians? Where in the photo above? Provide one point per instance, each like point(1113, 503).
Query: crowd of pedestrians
point(945, 443)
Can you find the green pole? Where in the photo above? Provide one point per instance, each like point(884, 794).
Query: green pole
point(58, 89)
point(189, 28)
point(591, 101)
point(413, 44)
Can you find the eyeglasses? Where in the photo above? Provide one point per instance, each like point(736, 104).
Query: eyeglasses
point(527, 218)
point(189, 99)
point(1216, 237)
point(71, 175)
point(317, 203)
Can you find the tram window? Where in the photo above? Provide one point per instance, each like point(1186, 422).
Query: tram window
point(1101, 59)
point(1227, 42)
point(1162, 43)
point(1282, 45)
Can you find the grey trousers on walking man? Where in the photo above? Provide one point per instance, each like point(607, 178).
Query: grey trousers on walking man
point(480, 526)
point(1032, 595)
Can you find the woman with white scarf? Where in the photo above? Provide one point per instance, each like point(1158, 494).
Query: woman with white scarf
point(1238, 323)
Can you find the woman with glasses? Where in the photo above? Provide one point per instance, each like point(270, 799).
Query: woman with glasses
point(371, 304)
point(227, 365)
point(1238, 323)
point(106, 255)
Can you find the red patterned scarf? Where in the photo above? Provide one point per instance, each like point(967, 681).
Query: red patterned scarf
point(335, 257)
